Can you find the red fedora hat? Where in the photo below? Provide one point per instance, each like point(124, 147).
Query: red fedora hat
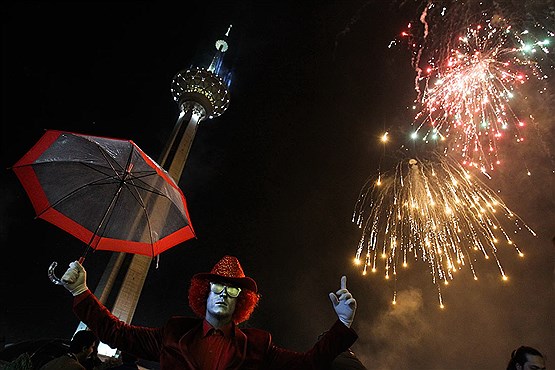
point(228, 269)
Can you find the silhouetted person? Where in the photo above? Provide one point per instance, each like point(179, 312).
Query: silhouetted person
point(82, 346)
point(129, 362)
point(347, 361)
point(526, 358)
point(93, 362)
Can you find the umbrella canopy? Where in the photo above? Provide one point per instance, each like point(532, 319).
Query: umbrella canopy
point(106, 192)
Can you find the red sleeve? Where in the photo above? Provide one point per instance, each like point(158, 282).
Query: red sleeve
point(140, 341)
point(335, 341)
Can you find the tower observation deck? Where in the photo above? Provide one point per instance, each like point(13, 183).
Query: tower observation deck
point(201, 94)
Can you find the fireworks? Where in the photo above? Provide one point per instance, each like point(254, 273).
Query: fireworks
point(469, 101)
point(472, 60)
point(435, 212)
point(469, 82)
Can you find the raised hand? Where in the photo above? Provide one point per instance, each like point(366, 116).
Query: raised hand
point(344, 304)
point(75, 278)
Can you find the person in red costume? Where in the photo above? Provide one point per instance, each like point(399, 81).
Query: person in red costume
point(222, 299)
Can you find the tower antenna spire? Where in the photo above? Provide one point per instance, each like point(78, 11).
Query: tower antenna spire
point(221, 48)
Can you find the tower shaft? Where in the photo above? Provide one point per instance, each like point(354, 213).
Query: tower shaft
point(173, 158)
point(201, 94)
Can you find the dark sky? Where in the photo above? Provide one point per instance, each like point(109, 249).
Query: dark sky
point(272, 181)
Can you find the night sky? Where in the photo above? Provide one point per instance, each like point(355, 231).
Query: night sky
point(273, 181)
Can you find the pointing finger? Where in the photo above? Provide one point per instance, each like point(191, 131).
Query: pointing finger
point(343, 282)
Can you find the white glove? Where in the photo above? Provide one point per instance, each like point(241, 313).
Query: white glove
point(75, 278)
point(344, 304)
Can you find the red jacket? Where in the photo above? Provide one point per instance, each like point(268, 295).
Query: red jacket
point(169, 344)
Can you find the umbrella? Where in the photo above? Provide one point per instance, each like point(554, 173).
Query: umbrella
point(106, 192)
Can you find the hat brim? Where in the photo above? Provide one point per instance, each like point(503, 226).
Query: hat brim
point(242, 282)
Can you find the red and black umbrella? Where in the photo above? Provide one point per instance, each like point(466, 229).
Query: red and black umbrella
point(106, 192)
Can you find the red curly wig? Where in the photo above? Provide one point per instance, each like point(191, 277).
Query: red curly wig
point(198, 295)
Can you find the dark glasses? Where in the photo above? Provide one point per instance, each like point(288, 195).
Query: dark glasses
point(231, 291)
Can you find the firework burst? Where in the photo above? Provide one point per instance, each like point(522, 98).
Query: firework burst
point(467, 100)
point(433, 211)
point(469, 82)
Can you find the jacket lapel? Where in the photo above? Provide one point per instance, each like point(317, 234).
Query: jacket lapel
point(240, 348)
point(185, 344)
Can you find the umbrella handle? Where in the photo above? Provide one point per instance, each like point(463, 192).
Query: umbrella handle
point(52, 276)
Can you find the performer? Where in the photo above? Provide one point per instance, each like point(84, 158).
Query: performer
point(222, 299)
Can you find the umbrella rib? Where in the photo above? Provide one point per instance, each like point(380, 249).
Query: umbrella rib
point(138, 198)
point(135, 194)
point(72, 193)
point(133, 188)
point(94, 168)
point(104, 217)
point(114, 198)
point(110, 162)
point(147, 187)
point(116, 177)
point(110, 207)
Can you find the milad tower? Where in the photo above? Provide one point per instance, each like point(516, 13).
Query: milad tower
point(201, 94)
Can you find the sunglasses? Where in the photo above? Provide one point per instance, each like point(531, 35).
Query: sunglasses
point(231, 291)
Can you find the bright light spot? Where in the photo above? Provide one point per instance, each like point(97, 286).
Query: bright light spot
point(526, 48)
